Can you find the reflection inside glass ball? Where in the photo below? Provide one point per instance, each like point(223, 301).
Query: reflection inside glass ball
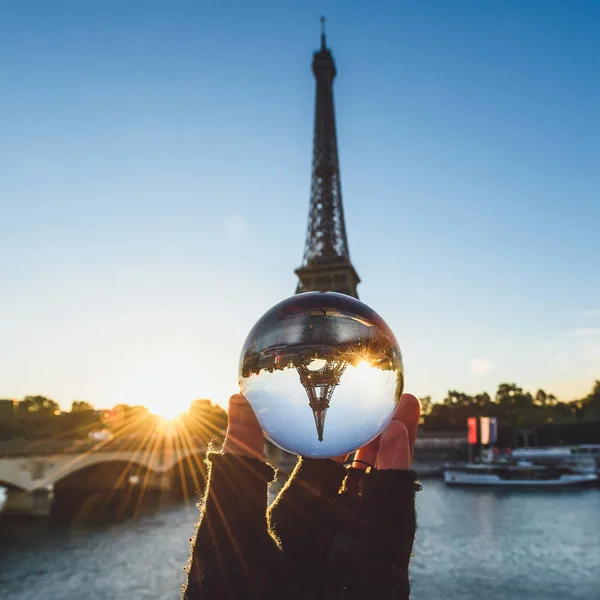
point(323, 373)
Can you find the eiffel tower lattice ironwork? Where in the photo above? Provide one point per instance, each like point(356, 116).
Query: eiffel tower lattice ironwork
point(319, 385)
point(326, 265)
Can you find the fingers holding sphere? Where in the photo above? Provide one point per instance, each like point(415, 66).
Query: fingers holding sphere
point(367, 455)
point(244, 433)
point(409, 413)
point(394, 447)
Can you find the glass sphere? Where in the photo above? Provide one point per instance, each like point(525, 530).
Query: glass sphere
point(323, 373)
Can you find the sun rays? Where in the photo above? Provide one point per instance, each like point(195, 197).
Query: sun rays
point(142, 462)
point(151, 458)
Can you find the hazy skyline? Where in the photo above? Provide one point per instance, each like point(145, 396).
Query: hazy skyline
point(155, 187)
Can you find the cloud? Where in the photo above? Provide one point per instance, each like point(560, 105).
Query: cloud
point(585, 332)
point(561, 359)
point(235, 226)
point(480, 366)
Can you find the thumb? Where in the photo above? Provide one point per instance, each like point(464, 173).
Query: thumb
point(244, 434)
point(240, 413)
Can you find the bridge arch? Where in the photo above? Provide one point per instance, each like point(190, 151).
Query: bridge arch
point(105, 490)
point(16, 473)
point(79, 465)
point(37, 472)
point(12, 486)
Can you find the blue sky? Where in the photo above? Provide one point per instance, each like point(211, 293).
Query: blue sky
point(155, 185)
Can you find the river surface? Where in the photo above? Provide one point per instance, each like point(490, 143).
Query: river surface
point(471, 544)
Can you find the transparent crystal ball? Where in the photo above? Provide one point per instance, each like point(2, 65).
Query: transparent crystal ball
point(323, 373)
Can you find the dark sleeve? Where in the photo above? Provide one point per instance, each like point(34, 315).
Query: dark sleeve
point(305, 518)
point(233, 555)
point(306, 508)
point(350, 534)
point(372, 553)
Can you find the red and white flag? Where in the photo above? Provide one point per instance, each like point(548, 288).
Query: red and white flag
point(472, 424)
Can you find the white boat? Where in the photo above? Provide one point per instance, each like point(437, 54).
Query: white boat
point(3, 497)
point(555, 454)
point(523, 473)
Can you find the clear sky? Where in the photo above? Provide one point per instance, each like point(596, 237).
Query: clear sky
point(154, 188)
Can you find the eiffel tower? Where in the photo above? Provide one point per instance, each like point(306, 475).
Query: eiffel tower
point(326, 265)
point(319, 385)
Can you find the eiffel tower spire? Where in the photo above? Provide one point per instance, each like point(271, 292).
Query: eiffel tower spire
point(326, 265)
point(319, 385)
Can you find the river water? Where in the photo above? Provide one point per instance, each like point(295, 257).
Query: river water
point(471, 545)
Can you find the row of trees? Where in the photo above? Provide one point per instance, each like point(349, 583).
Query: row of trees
point(551, 420)
point(511, 405)
point(40, 418)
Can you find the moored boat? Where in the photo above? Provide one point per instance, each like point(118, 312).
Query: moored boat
point(554, 454)
point(522, 474)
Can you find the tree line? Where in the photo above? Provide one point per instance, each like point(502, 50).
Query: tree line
point(578, 421)
point(554, 421)
point(40, 418)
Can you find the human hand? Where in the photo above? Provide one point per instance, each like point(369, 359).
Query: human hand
point(394, 447)
point(244, 435)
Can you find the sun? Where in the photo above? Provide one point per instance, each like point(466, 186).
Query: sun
point(166, 390)
point(364, 373)
point(170, 413)
point(362, 366)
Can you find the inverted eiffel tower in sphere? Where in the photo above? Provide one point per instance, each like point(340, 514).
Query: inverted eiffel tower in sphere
point(319, 385)
point(326, 266)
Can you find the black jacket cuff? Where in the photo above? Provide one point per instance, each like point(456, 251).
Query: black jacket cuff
point(318, 477)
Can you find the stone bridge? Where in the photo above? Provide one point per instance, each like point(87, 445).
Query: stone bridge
point(29, 473)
